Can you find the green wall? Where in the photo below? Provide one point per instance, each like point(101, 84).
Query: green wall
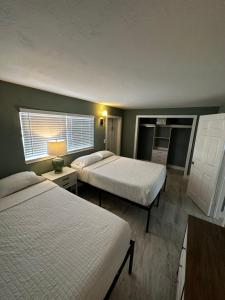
point(129, 120)
point(222, 109)
point(12, 97)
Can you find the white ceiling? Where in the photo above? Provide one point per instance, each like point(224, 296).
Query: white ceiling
point(126, 53)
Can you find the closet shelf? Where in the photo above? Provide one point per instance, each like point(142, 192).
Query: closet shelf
point(175, 126)
point(161, 149)
point(181, 126)
point(148, 125)
point(166, 126)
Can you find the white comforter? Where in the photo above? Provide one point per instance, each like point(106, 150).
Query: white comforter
point(135, 180)
point(55, 245)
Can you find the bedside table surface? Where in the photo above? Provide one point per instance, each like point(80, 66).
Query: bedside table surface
point(53, 176)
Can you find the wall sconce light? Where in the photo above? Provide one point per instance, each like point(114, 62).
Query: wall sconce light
point(102, 119)
point(104, 113)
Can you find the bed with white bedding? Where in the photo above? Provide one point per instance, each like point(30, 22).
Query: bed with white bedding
point(134, 180)
point(55, 245)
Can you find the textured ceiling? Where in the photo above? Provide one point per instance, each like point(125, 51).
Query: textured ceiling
point(127, 53)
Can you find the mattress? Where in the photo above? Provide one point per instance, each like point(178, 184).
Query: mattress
point(135, 180)
point(55, 245)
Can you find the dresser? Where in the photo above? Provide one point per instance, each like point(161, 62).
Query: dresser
point(201, 271)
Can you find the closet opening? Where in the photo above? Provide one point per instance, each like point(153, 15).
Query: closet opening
point(165, 139)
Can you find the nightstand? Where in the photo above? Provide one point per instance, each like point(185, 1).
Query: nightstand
point(66, 179)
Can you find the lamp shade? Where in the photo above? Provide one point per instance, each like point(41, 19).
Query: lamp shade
point(56, 147)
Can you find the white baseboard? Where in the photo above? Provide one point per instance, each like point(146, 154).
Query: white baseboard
point(175, 167)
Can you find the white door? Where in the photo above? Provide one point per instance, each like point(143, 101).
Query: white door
point(221, 208)
point(219, 212)
point(113, 134)
point(207, 159)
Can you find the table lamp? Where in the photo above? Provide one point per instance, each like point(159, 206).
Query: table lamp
point(56, 148)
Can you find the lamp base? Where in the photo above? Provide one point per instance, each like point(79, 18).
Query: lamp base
point(58, 164)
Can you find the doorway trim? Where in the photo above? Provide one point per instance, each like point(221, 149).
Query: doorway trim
point(219, 211)
point(119, 135)
point(194, 117)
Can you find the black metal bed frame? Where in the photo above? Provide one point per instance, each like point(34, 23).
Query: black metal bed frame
point(130, 253)
point(148, 208)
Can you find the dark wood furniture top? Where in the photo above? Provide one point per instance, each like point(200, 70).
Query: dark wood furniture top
point(205, 261)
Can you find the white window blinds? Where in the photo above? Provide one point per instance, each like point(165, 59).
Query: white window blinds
point(80, 132)
point(39, 127)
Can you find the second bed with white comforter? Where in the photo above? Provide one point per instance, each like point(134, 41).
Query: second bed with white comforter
point(135, 180)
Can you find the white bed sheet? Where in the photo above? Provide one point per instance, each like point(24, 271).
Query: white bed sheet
point(55, 245)
point(135, 180)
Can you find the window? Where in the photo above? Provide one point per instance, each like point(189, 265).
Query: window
point(38, 127)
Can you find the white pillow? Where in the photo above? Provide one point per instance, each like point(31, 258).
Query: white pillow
point(18, 182)
point(105, 153)
point(86, 160)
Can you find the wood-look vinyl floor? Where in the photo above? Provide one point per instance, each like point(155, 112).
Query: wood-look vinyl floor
point(157, 253)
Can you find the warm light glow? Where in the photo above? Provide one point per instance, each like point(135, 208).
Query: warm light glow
point(43, 127)
point(56, 147)
point(104, 113)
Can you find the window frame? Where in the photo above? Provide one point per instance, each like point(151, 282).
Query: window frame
point(48, 157)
